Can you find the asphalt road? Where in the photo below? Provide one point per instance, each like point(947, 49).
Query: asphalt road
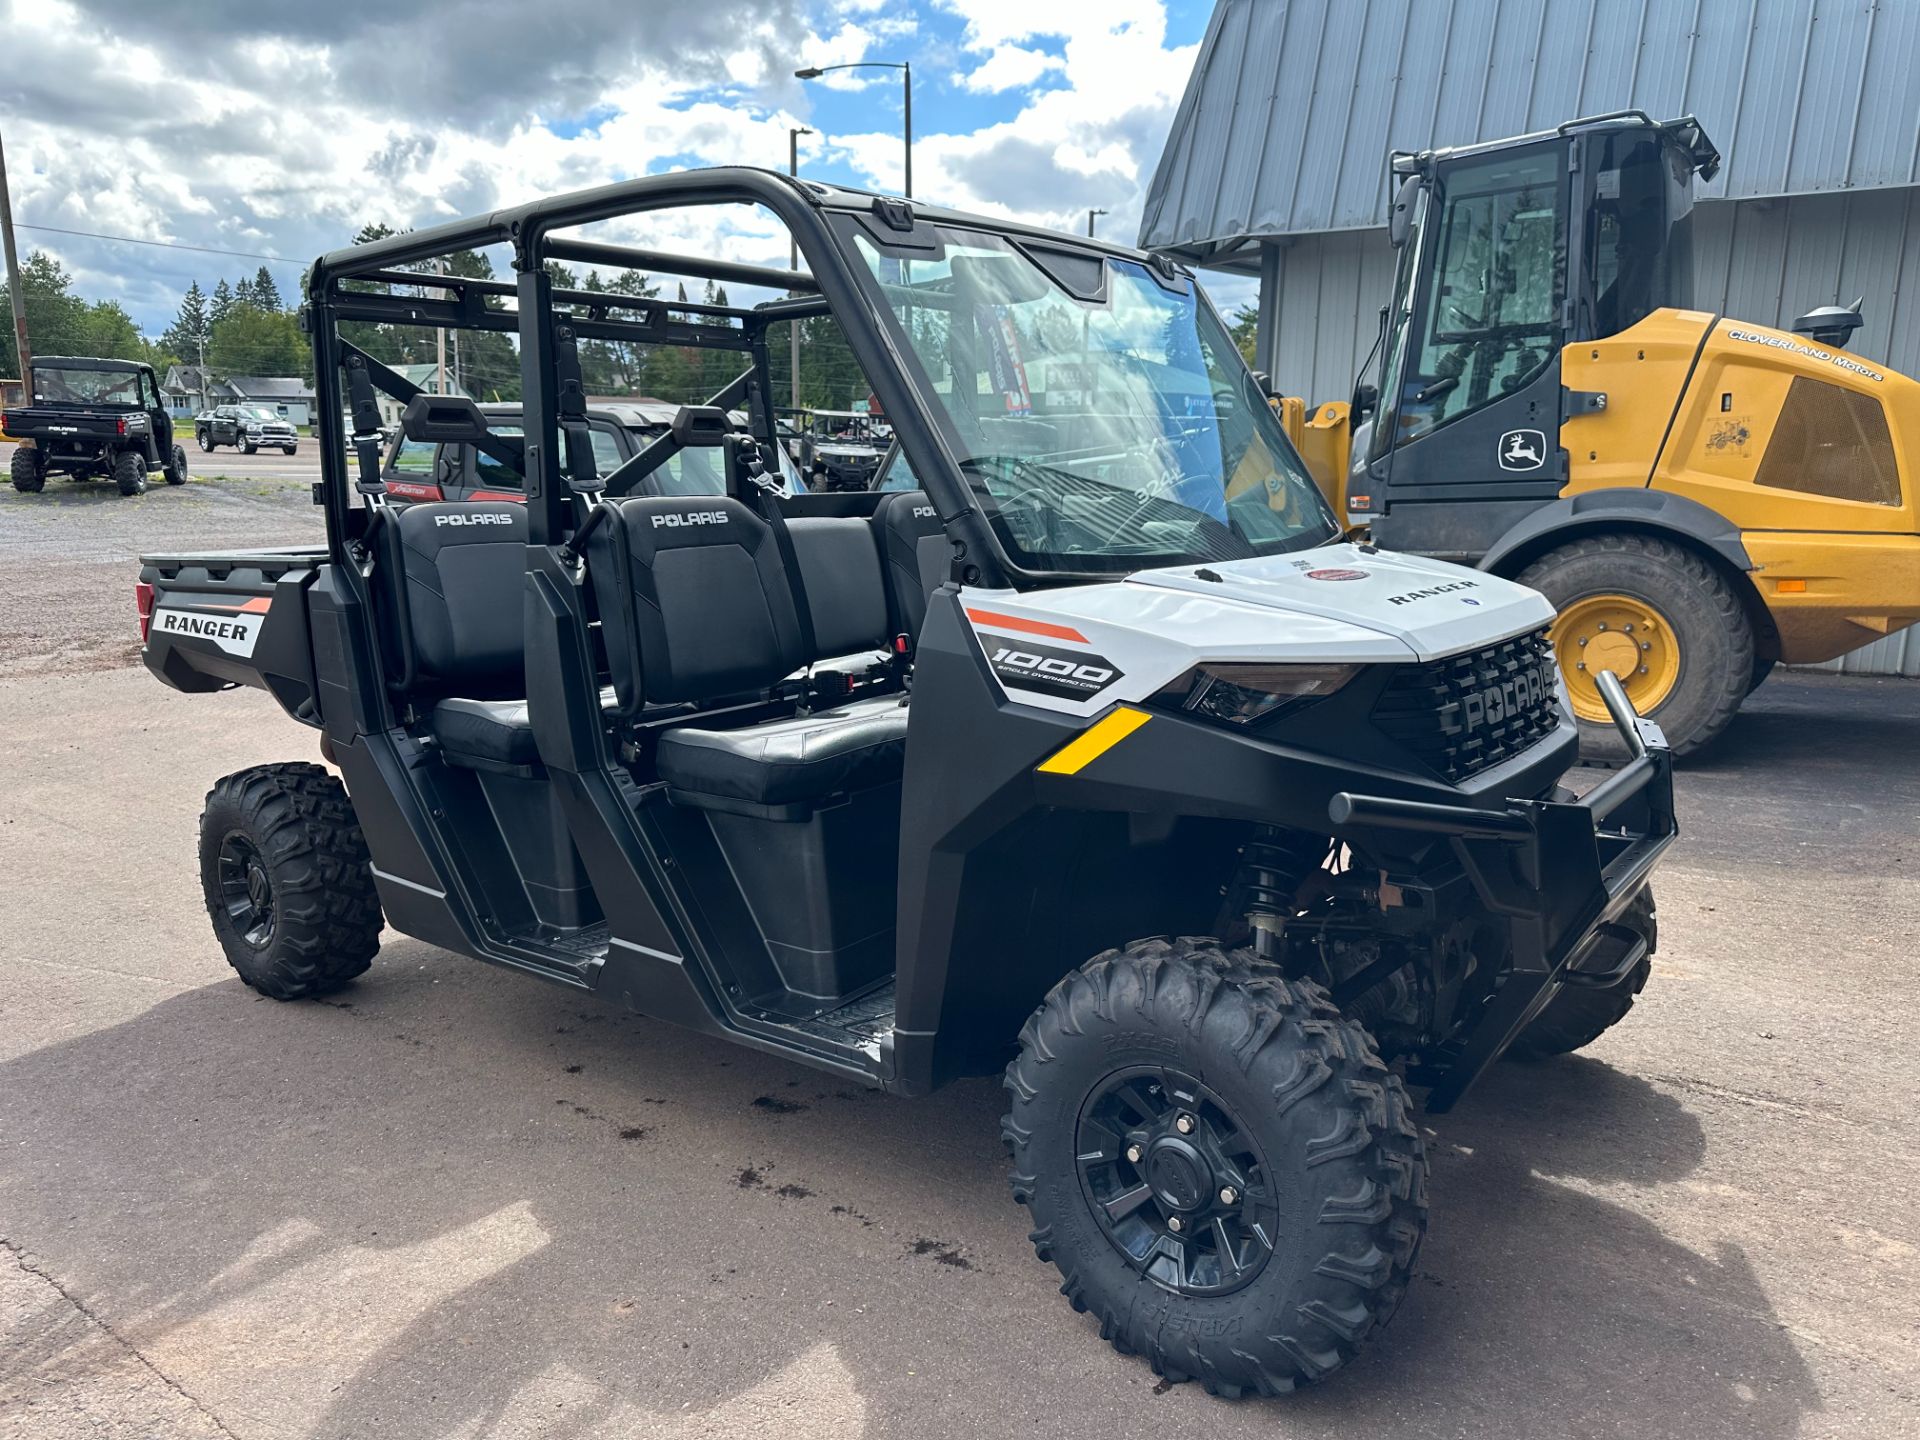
point(454, 1202)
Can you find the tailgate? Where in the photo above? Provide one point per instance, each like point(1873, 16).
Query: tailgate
point(237, 617)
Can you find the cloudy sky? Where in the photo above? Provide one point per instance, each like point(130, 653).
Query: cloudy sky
point(280, 128)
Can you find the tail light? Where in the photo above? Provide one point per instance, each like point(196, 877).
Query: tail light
point(143, 602)
point(120, 425)
point(414, 490)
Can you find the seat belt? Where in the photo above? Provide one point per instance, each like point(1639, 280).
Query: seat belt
point(769, 500)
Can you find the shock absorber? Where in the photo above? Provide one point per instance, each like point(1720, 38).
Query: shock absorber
point(1273, 863)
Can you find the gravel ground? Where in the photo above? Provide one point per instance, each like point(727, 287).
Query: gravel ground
point(453, 1202)
point(71, 549)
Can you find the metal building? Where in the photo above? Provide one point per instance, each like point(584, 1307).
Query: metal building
point(1277, 162)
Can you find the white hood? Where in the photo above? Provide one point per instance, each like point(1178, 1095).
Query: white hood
point(1432, 607)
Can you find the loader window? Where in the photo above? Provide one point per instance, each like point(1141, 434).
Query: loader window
point(1488, 320)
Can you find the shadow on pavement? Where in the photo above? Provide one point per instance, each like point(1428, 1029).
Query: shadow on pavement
point(402, 1213)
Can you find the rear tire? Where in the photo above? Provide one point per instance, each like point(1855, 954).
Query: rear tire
point(1706, 626)
point(176, 473)
point(288, 881)
point(207, 447)
point(1323, 1151)
point(29, 470)
point(1575, 1018)
point(130, 472)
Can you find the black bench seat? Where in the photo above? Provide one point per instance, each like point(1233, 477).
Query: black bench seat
point(788, 762)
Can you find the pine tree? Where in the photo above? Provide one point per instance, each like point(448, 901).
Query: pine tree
point(243, 293)
point(266, 294)
point(189, 329)
point(222, 305)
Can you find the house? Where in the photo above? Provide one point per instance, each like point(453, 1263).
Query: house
point(291, 399)
point(189, 389)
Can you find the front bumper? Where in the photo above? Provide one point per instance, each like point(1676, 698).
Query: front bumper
point(1560, 873)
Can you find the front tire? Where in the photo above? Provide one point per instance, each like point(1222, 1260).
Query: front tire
point(288, 881)
point(176, 472)
point(291, 449)
point(248, 449)
point(28, 469)
point(130, 472)
point(1578, 1016)
point(1664, 620)
point(1249, 1229)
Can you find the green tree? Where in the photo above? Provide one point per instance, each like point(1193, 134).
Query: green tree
point(188, 333)
point(257, 342)
point(243, 292)
point(221, 304)
point(60, 322)
point(266, 294)
point(1246, 324)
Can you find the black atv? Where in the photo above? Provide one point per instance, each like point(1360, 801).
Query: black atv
point(93, 418)
point(1099, 762)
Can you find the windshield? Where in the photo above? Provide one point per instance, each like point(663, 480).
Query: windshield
point(71, 385)
point(258, 412)
point(1106, 427)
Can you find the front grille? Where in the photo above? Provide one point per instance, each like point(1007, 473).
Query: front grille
point(1469, 712)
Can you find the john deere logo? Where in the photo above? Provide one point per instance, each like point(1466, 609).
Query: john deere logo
point(1523, 450)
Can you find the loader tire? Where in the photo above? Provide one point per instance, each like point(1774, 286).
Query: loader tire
point(29, 470)
point(1576, 1017)
point(288, 881)
point(1250, 1230)
point(1688, 663)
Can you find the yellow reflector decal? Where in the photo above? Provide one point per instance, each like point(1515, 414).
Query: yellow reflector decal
point(1790, 587)
point(1093, 742)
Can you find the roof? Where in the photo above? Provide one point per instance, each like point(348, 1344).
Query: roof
point(268, 387)
point(1293, 105)
point(85, 362)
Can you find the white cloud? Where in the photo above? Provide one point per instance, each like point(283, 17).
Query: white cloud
point(1008, 68)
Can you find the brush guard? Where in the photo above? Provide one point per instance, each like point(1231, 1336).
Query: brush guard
point(1559, 873)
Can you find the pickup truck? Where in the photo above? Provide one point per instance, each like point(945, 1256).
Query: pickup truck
point(88, 417)
point(248, 426)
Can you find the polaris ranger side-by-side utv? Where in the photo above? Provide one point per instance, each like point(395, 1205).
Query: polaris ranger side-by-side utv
point(914, 785)
point(89, 417)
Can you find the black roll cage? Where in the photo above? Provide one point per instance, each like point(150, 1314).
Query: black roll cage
point(549, 320)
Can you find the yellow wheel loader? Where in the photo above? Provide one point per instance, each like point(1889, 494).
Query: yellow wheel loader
point(1700, 497)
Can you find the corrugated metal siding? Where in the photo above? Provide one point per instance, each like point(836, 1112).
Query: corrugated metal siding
point(1294, 104)
point(1763, 260)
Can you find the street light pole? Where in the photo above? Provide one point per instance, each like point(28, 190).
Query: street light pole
point(905, 67)
point(794, 132)
point(1090, 218)
point(13, 283)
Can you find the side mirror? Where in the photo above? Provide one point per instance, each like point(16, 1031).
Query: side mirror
point(1831, 324)
point(1400, 217)
point(1366, 400)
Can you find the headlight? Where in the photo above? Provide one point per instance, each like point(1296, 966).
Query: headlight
point(1243, 694)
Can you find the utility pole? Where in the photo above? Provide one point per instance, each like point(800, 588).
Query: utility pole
point(794, 132)
point(13, 282)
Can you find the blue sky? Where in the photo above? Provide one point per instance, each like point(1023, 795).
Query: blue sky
point(296, 124)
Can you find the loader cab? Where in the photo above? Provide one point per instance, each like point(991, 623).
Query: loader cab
point(1508, 253)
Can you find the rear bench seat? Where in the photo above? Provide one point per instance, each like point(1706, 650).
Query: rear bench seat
point(695, 605)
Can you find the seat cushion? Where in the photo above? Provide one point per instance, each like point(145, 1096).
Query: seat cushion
point(488, 730)
point(793, 761)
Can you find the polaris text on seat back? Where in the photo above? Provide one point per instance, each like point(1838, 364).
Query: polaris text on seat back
point(1089, 756)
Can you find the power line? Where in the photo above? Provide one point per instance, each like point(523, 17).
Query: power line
point(157, 244)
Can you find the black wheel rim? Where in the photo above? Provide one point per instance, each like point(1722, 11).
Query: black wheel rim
point(246, 891)
point(1175, 1181)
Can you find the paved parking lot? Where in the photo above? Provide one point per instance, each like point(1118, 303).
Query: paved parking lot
point(452, 1202)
